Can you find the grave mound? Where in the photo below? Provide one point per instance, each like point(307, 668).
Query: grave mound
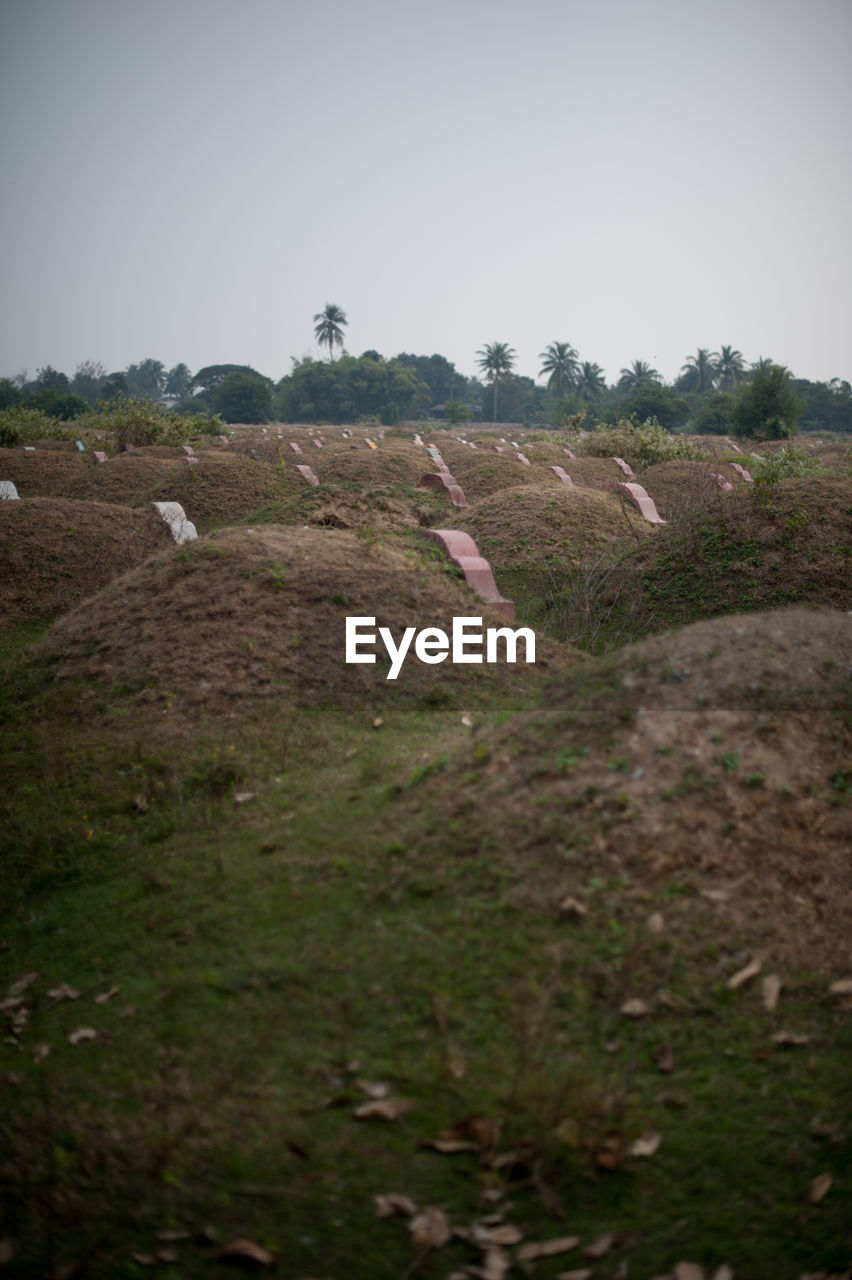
point(56, 551)
point(394, 462)
point(701, 774)
point(480, 472)
point(678, 487)
point(242, 623)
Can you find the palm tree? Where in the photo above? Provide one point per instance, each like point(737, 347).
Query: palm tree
point(699, 371)
point(328, 327)
point(496, 360)
point(730, 368)
point(638, 375)
point(561, 363)
point(591, 384)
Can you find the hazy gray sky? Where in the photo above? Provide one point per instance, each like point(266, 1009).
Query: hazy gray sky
point(193, 179)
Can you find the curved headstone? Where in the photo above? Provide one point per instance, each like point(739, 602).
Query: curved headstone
point(721, 481)
point(294, 446)
point(8, 491)
point(522, 457)
point(563, 475)
point(188, 450)
point(498, 448)
point(443, 480)
point(464, 554)
point(741, 471)
point(308, 473)
point(569, 452)
point(99, 455)
point(181, 529)
point(625, 467)
point(640, 499)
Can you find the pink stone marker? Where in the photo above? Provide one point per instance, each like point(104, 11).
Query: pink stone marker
point(569, 452)
point(188, 450)
point(721, 481)
point(741, 471)
point(628, 471)
point(308, 473)
point(443, 480)
point(129, 447)
point(639, 497)
point(498, 448)
point(464, 554)
point(522, 457)
point(563, 475)
point(295, 447)
point(318, 443)
point(99, 455)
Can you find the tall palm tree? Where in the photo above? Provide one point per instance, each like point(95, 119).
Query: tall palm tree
point(639, 374)
point(496, 359)
point(561, 363)
point(328, 327)
point(699, 372)
point(591, 384)
point(730, 368)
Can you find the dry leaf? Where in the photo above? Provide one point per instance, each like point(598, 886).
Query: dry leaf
point(790, 1038)
point(751, 970)
point(599, 1247)
point(387, 1205)
point(499, 1236)
point(429, 1229)
point(144, 1259)
point(467, 720)
point(495, 1265)
point(723, 1273)
point(374, 1088)
point(40, 1052)
point(481, 1131)
point(664, 1058)
point(770, 989)
point(635, 1009)
point(243, 797)
point(64, 993)
point(656, 923)
point(18, 988)
point(245, 1251)
point(384, 1109)
point(573, 907)
point(568, 1131)
point(107, 995)
point(820, 1187)
point(536, 1249)
point(688, 1271)
point(81, 1034)
point(648, 1144)
point(451, 1146)
point(842, 987)
point(378, 722)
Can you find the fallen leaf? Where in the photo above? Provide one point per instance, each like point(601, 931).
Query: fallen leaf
point(656, 923)
point(648, 1144)
point(40, 1052)
point(429, 1229)
point(723, 1273)
point(599, 1247)
point(245, 1251)
point(384, 1109)
point(495, 1265)
point(536, 1249)
point(664, 1058)
point(167, 1255)
point(140, 804)
point(500, 1236)
point(568, 1131)
point(451, 1146)
point(243, 797)
point(751, 970)
point(18, 988)
point(820, 1187)
point(467, 720)
point(688, 1271)
point(842, 987)
point(64, 993)
point(82, 1034)
point(790, 1038)
point(374, 1088)
point(107, 995)
point(481, 1131)
point(573, 907)
point(770, 989)
point(635, 1009)
point(143, 1259)
point(392, 1202)
point(378, 722)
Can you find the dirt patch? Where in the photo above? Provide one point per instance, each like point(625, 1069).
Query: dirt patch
point(687, 774)
point(525, 526)
point(241, 623)
point(56, 551)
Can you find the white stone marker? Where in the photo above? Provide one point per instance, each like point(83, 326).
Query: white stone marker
point(182, 530)
point(8, 491)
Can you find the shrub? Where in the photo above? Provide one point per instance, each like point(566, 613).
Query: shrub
point(640, 444)
point(20, 425)
point(140, 422)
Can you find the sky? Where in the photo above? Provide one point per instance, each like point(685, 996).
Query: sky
point(192, 180)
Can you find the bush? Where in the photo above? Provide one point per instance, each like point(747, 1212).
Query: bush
point(784, 463)
point(640, 444)
point(20, 425)
point(139, 422)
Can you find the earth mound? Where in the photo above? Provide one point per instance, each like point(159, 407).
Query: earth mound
point(481, 472)
point(56, 551)
point(245, 621)
point(678, 487)
point(689, 775)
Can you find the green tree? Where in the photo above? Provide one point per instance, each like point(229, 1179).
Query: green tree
point(88, 381)
point(496, 360)
point(243, 397)
point(177, 381)
point(9, 393)
point(328, 327)
point(639, 374)
point(457, 411)
point(441, 377)
point(730, 368)
point(591, 384)
point(651, 400)
point(698, 373)
point(146, 379)
point(560, 363)
point(350, 388)
point(767, 406)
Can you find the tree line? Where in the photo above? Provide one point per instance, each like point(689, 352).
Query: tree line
point(715, 392)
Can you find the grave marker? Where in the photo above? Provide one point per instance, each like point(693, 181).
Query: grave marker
point(464, 554)
point(181, 529)
point(563, 476)
point(8, 491)
point(446, 482)
point(308, 474)
point(640, 499)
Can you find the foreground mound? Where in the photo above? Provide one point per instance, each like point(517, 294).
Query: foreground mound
point(678, 487)
point(246, 621)
point(56, 551)
point(529, 525)
point(683, 773)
